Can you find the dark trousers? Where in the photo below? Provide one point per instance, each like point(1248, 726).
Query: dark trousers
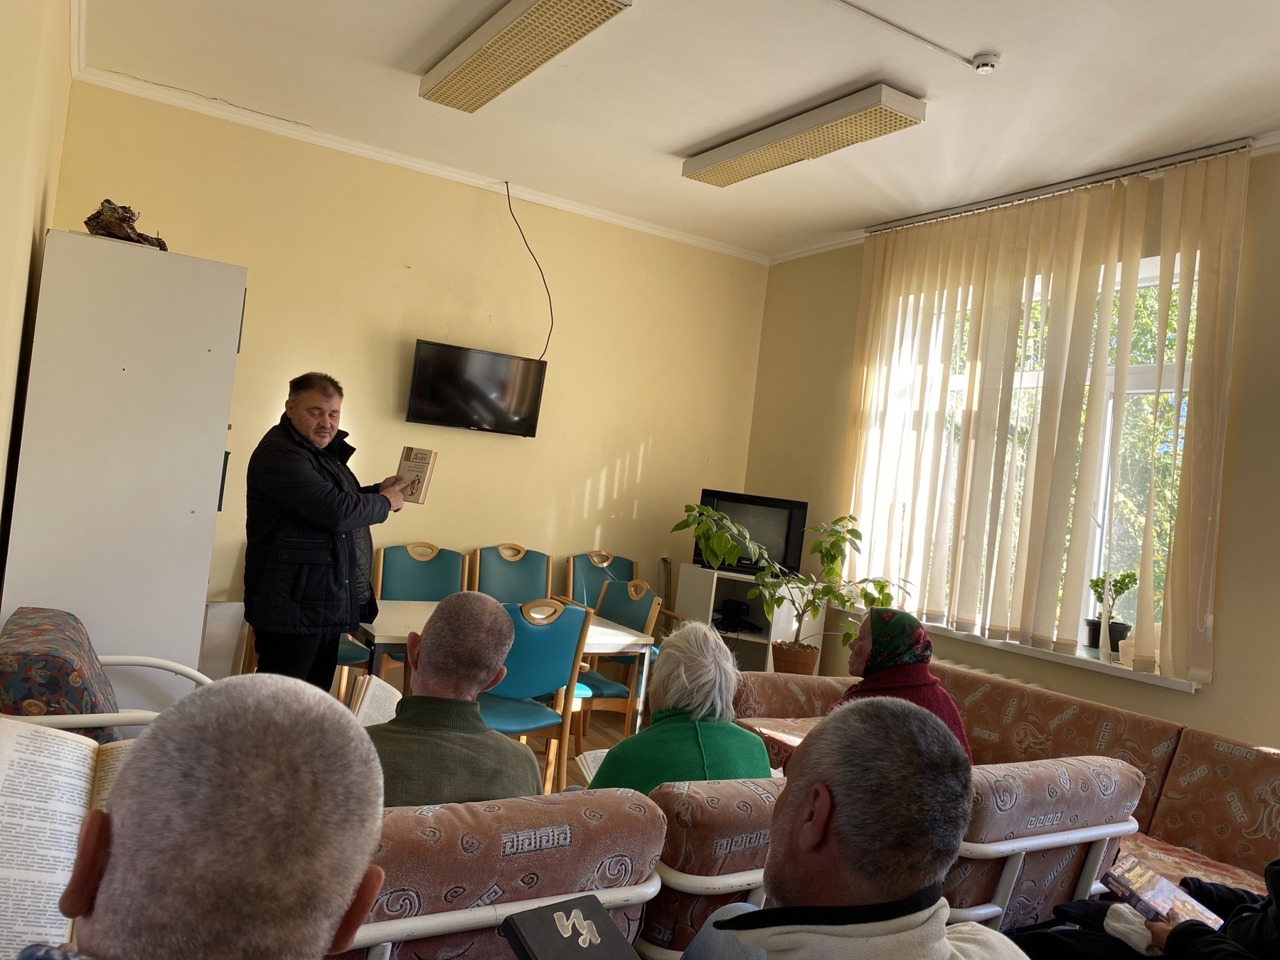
point(308, 656)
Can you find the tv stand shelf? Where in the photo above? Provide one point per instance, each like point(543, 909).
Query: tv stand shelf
point(700, 595)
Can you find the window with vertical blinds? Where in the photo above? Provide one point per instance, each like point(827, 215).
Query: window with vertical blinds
point(1043, 398)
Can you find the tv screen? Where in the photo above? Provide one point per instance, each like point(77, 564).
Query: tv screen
point(455, 386)
point(774, 523)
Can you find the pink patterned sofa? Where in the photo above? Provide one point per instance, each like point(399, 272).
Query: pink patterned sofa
point(454, 870)
point(1210, 805)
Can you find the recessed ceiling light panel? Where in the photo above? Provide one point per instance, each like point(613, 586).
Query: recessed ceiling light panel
point(510, 45)
point(861, 116)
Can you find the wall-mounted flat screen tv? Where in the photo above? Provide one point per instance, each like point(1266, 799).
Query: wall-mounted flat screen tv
point(774, 523)
point(454, 386)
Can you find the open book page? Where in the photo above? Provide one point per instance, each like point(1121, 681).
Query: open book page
point(46, 778)
point(373, 700)
point(111, 757)
point(589, 762)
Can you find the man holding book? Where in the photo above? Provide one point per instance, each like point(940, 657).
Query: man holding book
point(241, 825)
point(309, 558)
point(438, 749)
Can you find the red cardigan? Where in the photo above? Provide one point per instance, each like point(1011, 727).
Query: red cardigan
point(915, 683)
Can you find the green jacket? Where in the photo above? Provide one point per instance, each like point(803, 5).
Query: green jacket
point(440, 751)
point(677, 747)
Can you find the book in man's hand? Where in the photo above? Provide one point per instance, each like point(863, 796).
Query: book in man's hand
point(1139, 885)
point(417, 464)
point(579, 927)
point(49, 780)
point(373, 700)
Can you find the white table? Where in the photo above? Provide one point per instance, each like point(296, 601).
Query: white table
point(398, 618)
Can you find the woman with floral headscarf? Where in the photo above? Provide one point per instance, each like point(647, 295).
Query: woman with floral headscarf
point(891, 654)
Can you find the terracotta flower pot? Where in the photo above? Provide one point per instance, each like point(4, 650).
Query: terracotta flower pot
point(788, 659)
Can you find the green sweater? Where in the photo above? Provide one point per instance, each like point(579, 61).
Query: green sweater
point(440, 751)
point(677, 747)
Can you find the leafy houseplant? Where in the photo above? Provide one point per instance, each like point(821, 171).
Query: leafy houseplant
point(1107, 590)
point(723, 541)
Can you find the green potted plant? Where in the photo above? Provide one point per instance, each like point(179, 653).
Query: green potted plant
point(1106, 591)
point(722, 541)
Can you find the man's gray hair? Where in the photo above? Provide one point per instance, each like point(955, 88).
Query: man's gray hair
point(902, 788)
point(241, 825)
point(696, 672)
point(466, 639)
point(322, 382)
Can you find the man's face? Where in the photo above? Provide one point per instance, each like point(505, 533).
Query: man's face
point(315, 416)
point(781, 885)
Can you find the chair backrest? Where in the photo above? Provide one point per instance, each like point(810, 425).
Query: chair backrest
point(418, 571)
point(546, 650)
point(511, 574)
point(586, 573)
point(633, 605)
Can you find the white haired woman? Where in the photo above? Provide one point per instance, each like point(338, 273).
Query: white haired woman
point(692, 735)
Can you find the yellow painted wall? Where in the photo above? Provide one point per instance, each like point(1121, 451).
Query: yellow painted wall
point(350, 260)
point(35, 75)
point(810, 300)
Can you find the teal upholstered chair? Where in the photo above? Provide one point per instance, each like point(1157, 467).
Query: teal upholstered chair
point(418, 571)
point(543, 663)
point(587, 573)
point(635, 606)
point(511, 574)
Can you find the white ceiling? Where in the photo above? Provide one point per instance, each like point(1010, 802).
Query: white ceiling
point(1083, 86)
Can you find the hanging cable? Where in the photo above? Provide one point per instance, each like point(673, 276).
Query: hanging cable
point(550, 307)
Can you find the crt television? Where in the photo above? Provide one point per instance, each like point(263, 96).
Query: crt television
point(776, 524)
point(454, 386)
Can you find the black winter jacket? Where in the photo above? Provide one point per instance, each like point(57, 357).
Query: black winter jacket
point(307, 525)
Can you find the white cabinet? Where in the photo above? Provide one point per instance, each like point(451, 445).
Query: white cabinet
point(701, 595)
point(125, 422)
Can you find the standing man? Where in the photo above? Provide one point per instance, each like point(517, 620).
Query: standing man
point(309, 559)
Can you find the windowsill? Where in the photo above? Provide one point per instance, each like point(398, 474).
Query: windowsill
point(1080, 663)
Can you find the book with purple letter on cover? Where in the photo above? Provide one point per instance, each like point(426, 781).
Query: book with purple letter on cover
point(1152, 895)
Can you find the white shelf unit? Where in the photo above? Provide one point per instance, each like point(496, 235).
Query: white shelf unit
point(701, 593)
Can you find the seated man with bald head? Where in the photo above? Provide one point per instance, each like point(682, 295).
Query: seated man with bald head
point(876, 803)
point(438, 749)
point(241, 827)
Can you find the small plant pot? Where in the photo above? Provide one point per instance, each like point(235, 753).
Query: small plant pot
point(1118, 630)
point(790, 657)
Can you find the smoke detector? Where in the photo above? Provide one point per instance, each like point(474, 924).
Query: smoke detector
point(985, 63)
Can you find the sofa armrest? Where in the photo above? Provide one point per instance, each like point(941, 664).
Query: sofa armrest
point(786, 694)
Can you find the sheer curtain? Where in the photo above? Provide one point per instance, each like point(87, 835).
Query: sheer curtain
point(1043, 399)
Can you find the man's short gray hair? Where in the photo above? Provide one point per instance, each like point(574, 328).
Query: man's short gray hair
point(695, 672)
point(902, 788)
point(326, 385)
point(241, 825)
point(466, 639)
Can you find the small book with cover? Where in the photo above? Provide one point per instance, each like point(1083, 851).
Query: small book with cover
point(580, 927)
point(416, 465)
point(1139, 885)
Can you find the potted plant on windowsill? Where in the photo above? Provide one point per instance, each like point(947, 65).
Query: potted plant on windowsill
point(722, 542)
point(1107, 590)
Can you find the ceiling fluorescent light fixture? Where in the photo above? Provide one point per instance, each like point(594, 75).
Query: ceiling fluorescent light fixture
point(861, 116)
point(509, 46)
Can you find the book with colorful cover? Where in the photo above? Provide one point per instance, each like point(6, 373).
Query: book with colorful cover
point(416, 465)
point(1139, 885)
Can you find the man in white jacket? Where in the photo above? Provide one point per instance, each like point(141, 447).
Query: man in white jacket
point(876, 804)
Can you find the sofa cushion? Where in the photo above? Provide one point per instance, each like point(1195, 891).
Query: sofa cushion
point(781, 735)
point(1222, 799)
point(786, 694)
point(458, 855)
point(1039, 798)
point(48, 666)
point(714, 827)
point(1174, 862)
point(1007, 721)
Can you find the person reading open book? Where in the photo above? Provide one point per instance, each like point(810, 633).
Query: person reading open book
point(438, 749)
point(241, 825)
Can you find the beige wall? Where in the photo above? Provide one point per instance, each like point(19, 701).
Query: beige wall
point(35, 75)
point(812, 302)
point(351, 260)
